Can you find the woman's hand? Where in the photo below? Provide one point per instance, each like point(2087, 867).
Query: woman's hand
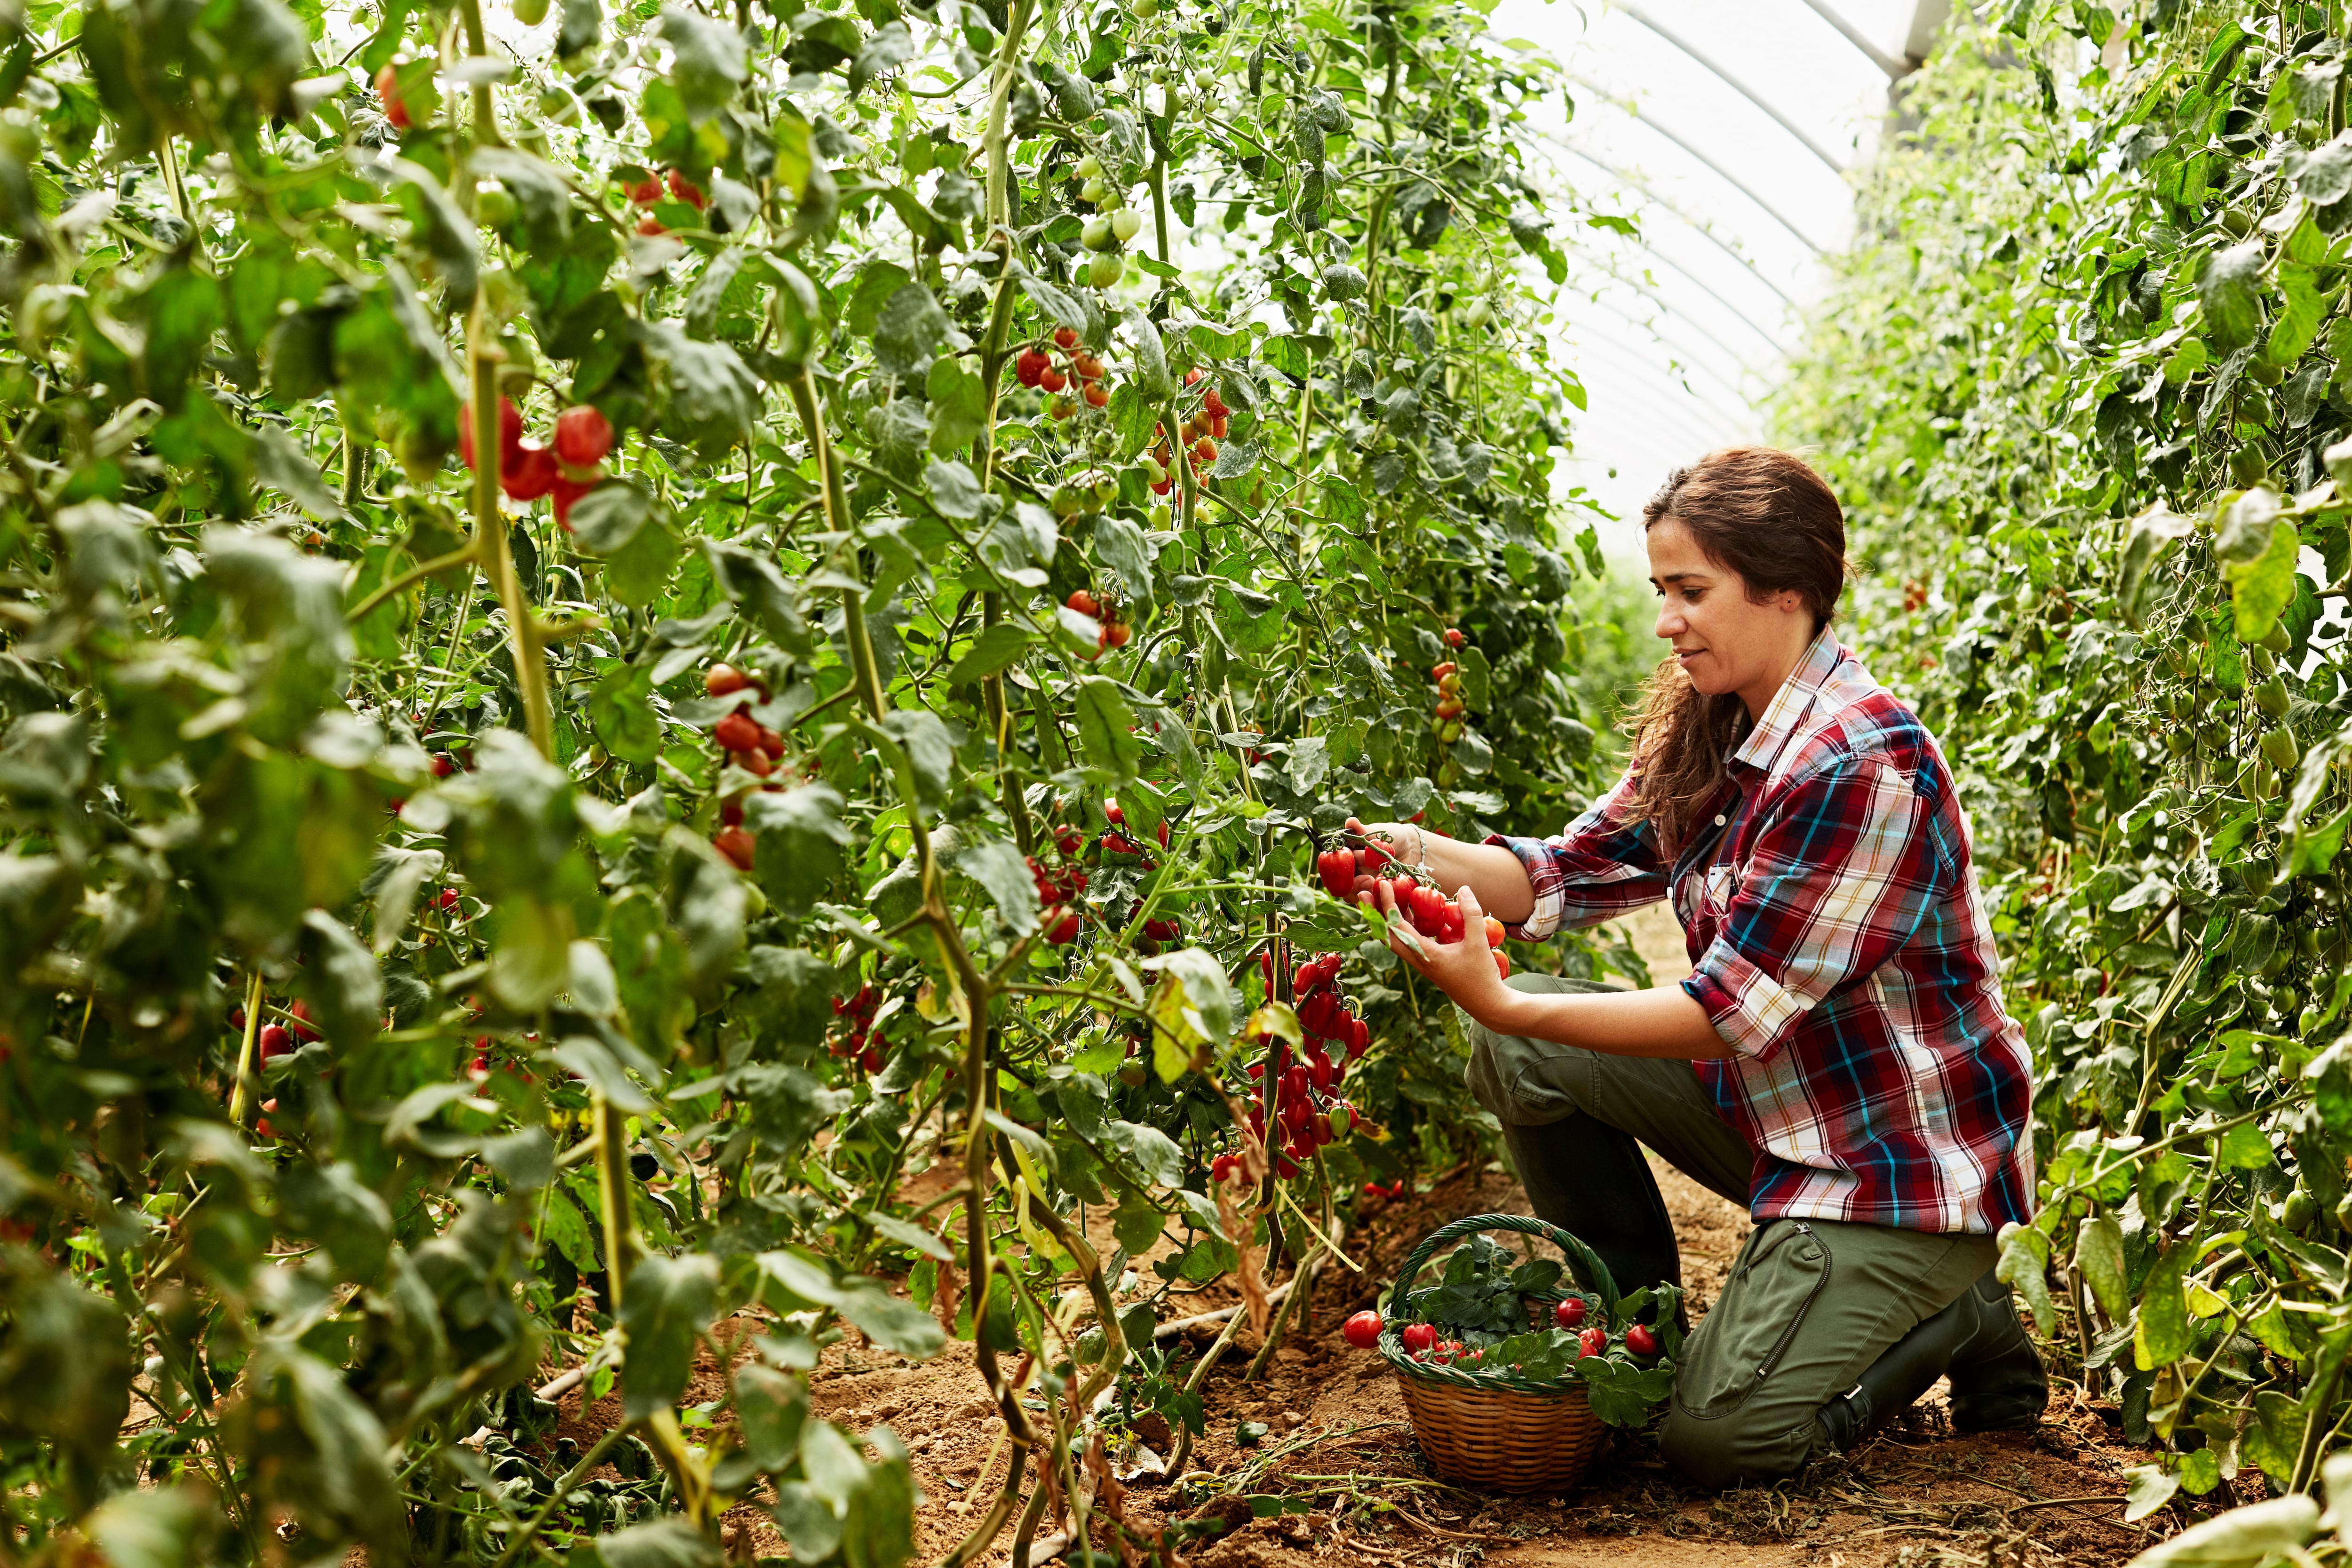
point(1465, 970)
point(1400, 841)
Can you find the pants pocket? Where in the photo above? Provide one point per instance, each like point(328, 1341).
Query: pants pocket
point(1781, 1273)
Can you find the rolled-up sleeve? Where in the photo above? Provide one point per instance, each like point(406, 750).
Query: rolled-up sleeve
point(1835, 884)
point(1602, 864)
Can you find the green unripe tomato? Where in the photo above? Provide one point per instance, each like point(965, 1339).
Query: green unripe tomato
point(1477, 313)
point(2179, 742)
point(2264, 372)
point(1104, 270)
point(2249, 467)
point(1125, 223)
point(1067, 500)
point(2279, 745)
point(1106, 490)
point(1449, 732)
point(2272, 698)
point(2344, 1212)
point(1152, 472)
point(1096, 236)
point(530, 12)
point(2300, 1209)
point(1094, 190)
point(1146, 9)
point(1135, 1075)
point(1090, 168)
point(1159, 516)
point(493, 208)
point(2238, 222)
point(2276, 640)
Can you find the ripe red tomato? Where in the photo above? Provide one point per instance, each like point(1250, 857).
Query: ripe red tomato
point(1453, 637)
point(302, 1030)
point(1338, 869)
point(1502, 965)
point(1364, 1329)
point(1066, 336)
point(277, 1040)
point(650, 226)
point(1428, 910)
point(1641, 1340)
point(685, 190)
point(1494, 932)
point(736, 844)
point(1205, 451)
point(1052, 380)
point(1094, 395)
point(1086, 603)
point(510, 433)
point(1400, 886)
point(645, 193)
point(566, 491)
point(583, 436)
point(1064, 932)
point(723, 681)
point(387, 88)
point(1593, 1341)
point(1419, 1338)
point(737, 733)
point(1569, 1313)
point(1450, 924)
point(531, 473)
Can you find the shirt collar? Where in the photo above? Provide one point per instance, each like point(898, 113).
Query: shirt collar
point(1791, 704)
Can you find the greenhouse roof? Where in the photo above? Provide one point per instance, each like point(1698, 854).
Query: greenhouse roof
point(1727, 130)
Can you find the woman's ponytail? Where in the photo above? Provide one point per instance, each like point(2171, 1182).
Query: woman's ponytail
point(1765, 515)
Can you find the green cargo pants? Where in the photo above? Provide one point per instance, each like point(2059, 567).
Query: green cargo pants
point(1809, 1302)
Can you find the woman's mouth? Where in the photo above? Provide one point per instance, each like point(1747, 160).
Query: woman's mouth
point(1684, 655)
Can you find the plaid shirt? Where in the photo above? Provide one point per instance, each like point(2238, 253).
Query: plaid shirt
point(1843, 953)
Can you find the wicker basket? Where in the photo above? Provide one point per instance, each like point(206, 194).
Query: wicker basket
point(1494, 1430)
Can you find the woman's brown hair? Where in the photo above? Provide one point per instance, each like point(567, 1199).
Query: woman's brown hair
point(1767, 516)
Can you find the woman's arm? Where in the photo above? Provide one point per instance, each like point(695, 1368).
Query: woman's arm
point(1503, 884)
point(1664, 1021)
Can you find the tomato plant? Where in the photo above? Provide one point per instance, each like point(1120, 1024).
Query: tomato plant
point(622, 631)
point(2097, 472)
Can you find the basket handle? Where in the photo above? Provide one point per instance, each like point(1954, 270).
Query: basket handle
point(1583, 1260)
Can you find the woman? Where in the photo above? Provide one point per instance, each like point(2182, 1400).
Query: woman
point(1839, 1061)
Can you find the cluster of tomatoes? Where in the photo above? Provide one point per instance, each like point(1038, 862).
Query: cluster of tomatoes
point(854, 1035)
point(1447, 714)
point(1390, 1190)
point(751, 746)
point(1307, 1111)
point(645, 193)
point(1348, 874)
point(275, 1040)
point(1058, 889)
point(528, 470)
point(1114, 632)
point(1427, 1342)
point(1109, 228)
point(1035, 367)
point(1201, 433)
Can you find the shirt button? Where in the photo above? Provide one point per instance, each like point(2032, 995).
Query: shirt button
point(1719, 822)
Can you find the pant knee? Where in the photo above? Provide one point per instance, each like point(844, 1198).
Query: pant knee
point(1499, 1063)
point(1724, 1452)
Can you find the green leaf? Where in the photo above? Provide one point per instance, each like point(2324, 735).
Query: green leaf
point(2151, 533)
point(801, 836)
point(959, 409)
point(655, 1543)
point(607, 518)
point(2149, 1488)
point(2026, 1264)
point(1106, 727)
point(664, 1304)
point(1148, 1152)
point(340, 981)
point(2099, 1259)
point(908, 332)
point(2245, 1147)
point(2160, 1334)
point(2229, 287)
point(172, 1527)
point(2257, 549)
point(999, 866)
point(998, 647)
point(621, 711)
point(708, 58)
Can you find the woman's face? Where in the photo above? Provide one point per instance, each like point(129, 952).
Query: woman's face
point(1723, 640)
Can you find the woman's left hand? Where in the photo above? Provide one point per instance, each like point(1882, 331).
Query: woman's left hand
point(1465, 970)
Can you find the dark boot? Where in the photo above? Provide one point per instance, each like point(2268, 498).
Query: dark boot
point(1998, 1383)
point(1591, 1180)
point(1997, 1380)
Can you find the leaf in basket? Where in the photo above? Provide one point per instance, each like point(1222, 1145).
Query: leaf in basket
point(1535, 1275)
point(1621, 1394)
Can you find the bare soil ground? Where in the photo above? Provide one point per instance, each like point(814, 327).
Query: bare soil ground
point(1339, 1444)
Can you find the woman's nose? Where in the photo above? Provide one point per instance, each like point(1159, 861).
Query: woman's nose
point(1670, 621)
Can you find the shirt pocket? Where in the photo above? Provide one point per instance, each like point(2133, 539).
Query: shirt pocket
point(1782, 1273)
